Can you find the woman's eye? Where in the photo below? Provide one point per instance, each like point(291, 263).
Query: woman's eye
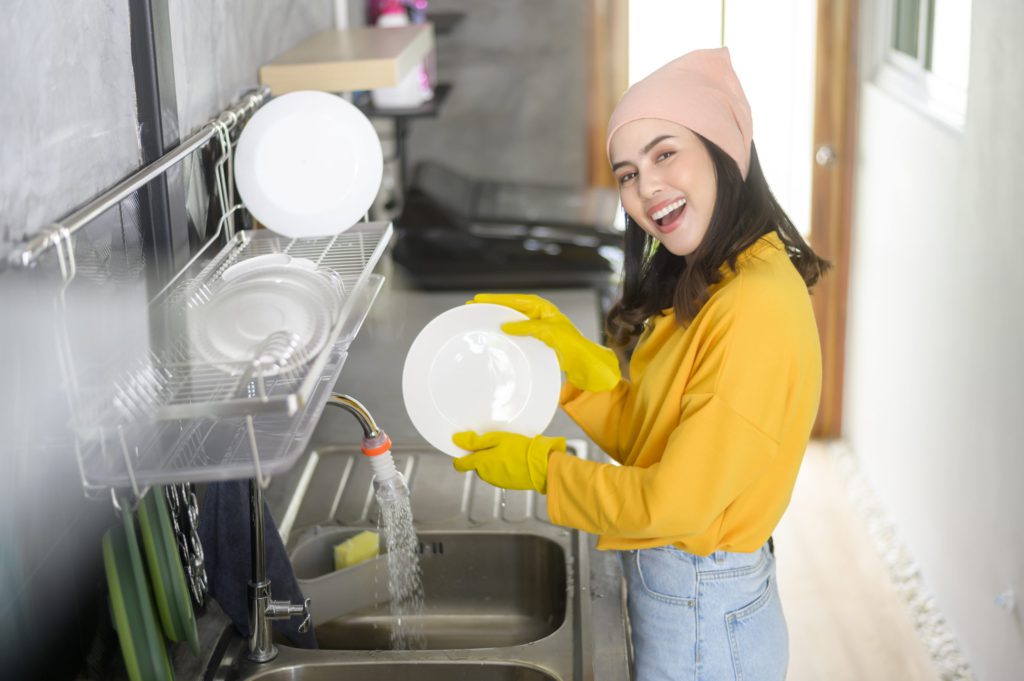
point(665, 154)
point(623, 179)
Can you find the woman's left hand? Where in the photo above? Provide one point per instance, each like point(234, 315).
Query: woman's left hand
point(587, 365)
point(508, 460)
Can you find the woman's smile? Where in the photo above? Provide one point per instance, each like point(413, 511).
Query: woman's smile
point(668, 215)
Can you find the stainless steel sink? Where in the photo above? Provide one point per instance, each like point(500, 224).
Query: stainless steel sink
point(507, 595)
point(400, 671)
point(482, 590)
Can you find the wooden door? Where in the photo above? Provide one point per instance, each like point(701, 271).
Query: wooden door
point(607, 79)
point(835, 102)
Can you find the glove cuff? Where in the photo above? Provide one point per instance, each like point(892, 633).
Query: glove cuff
point(537, 459)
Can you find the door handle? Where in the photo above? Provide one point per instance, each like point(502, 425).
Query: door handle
point(825, 156)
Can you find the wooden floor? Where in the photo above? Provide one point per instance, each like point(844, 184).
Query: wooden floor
point(846, 620)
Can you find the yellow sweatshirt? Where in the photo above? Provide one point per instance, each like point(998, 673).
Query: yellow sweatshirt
point(712, 425)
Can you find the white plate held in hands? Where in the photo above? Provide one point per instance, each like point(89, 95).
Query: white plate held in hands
point(464, 373)
point(308, 164)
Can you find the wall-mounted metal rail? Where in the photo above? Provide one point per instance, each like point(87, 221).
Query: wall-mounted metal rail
point(52, 234)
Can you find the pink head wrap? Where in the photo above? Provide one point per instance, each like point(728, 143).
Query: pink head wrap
point(699, 91)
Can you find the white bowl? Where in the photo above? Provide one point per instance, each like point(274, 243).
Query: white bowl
point(463, 372)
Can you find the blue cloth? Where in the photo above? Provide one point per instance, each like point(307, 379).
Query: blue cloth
point(712, 618)
point(225, 534)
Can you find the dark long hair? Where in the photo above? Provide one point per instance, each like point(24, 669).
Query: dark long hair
point(654, 279)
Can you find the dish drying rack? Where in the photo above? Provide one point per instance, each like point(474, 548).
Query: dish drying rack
point(173, 417)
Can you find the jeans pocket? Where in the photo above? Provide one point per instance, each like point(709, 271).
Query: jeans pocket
point(666, 575)
point(758, 639)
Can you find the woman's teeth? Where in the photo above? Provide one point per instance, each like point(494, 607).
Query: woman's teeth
point(668, 210)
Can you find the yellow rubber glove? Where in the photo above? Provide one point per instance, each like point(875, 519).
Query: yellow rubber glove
point(507, 460)
point(587, 365)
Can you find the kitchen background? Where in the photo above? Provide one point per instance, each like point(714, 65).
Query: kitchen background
point(934, 371)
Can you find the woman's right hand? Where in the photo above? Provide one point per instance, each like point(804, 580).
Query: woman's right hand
point(587, 365)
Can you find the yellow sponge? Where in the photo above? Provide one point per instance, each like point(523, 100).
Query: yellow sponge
point(355, 550)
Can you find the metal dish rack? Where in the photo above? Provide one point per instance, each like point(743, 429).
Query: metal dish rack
point(176, 418)
point(172, 417)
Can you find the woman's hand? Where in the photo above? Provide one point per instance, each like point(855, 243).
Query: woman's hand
point(587, 365)
point(508, 460)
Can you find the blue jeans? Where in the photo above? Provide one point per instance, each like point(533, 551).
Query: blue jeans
point(713, 618)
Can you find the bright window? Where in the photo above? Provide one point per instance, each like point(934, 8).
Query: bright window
point(928, 57)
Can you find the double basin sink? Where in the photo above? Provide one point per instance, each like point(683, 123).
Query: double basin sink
point(503, 597)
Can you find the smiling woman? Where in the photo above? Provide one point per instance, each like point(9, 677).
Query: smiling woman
point(710, 424)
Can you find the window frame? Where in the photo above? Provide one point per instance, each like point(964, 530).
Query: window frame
point(906, 78)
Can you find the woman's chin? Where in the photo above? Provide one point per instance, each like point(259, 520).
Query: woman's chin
point(677, 243)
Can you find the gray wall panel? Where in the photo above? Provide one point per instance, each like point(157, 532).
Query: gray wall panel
point(68, 116)
point(220, 45)
point(68, 108)
point(517, 106)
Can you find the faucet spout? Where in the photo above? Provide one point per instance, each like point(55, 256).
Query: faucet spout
point(355, 407)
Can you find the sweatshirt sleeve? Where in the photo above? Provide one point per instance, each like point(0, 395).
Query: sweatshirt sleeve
point(601, 415)
point(711, 457)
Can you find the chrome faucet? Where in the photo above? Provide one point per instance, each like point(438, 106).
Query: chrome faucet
point(262, 609)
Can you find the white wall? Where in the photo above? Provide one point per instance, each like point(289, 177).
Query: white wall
point(934, 389)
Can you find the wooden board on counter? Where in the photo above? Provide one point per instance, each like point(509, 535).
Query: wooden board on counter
point(352, 59)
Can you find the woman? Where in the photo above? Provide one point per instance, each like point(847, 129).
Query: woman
point(724, 380)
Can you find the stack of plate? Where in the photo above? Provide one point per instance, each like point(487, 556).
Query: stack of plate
point(132, 596)
point(167, 577)
point(261, 297)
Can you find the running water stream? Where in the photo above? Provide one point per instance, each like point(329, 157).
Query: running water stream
point(394, 521)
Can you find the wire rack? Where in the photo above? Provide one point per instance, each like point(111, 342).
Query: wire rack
point(174, 416)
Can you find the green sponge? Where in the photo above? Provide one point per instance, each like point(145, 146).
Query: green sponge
point(355, 550)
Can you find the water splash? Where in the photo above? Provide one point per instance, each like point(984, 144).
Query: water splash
point(405, 583)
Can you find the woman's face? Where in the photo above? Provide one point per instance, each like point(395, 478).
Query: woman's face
point(666, 181)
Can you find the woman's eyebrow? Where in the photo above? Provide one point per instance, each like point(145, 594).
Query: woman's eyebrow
point(650, 145)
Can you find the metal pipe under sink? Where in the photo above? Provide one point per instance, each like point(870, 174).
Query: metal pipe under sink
point(262, 608)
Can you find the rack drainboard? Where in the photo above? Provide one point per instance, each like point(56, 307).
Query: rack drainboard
point(172, 417)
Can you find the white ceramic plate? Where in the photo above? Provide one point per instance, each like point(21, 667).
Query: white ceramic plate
point(266, 260)
point(464, 373)
point(255, 263)
point(308, 164)
point(228, 329)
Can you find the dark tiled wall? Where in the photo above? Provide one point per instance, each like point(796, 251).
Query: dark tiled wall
point(517, 106)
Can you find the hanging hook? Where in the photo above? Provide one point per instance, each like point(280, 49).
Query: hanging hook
point(133, 506)
point(62, 240)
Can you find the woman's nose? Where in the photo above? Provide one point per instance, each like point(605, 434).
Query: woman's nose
point(649, 184)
